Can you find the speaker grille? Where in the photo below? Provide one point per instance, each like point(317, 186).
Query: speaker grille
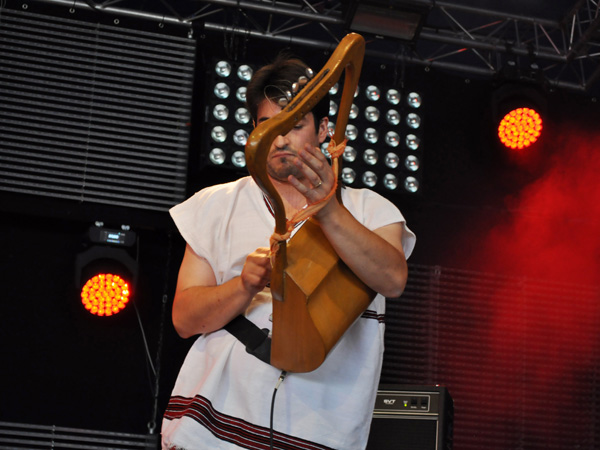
point(519, 355)
point(93, 112)
point(27, 436)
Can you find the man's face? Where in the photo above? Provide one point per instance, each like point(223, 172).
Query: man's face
point(284, 149)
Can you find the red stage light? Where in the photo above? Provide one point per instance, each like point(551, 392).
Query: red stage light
point(520, 128)
point(105, 294)
point(105, 272)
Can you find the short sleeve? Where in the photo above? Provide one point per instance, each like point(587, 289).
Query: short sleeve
point(375, 211)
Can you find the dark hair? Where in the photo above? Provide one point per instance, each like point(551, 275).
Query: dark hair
point(273, 80)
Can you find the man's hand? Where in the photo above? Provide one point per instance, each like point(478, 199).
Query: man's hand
point(202, 306)
point(256, 273)
point(377, 256)
point(318, 180)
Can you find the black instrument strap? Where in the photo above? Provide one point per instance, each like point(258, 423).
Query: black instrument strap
point(256, 340)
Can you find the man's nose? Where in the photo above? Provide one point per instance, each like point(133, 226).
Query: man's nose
point(280, 141)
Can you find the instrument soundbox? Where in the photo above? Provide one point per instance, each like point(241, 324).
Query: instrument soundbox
point(316, 297)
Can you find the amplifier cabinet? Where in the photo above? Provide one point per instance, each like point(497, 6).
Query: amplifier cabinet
point(408, 417)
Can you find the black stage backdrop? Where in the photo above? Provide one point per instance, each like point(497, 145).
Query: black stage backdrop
point(480, 215)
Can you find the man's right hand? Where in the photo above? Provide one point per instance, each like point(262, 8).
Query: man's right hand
point(202, 306)
point(256, 273)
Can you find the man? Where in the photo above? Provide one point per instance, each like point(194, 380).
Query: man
point(222, 398)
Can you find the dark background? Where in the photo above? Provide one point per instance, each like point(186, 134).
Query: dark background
point(523, 373)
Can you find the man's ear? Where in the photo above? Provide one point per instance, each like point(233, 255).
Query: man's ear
point(323, 129)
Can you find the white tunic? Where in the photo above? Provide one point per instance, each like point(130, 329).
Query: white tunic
point(222, 397)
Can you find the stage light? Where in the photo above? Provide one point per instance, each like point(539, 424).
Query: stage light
point(245, 72)
point(242, 116)
point(393, 117)
point(371, 135)
point(331, 130)
point(349, 154)
point(105, 294)
point(348, 175)
point(372, 114)
point(229, 120)
point(392, 160)
point(373, 93)
point(378, 146)
point(411, 163)
point(238, 159)
point(106, 272)
point(370, 156)
point(520, 128)
point(393, 96)
point(411, 184)
point(392, 139)
point(222, 91)
point(220, 112)
point(384, 127)
point(414, 100)
point(223, 69)
point(217, 156)
point(369, 179)
point(398, 20)
point(240, 94)
point(518, 112)
point(412, 141)
point(413, 121)
point(390, 181)
point(240, 137)
point(351, 132)
point(333, 108)
point(219, 134)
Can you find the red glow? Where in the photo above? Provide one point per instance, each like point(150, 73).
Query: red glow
point(531, 343)
point(520, 128)
point(105, 294)
point(553, 228)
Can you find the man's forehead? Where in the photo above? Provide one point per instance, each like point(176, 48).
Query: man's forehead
point(268, 108)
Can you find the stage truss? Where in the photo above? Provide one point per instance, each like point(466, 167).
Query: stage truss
point(562, 52)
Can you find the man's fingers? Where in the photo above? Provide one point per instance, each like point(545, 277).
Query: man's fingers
point(256, 272)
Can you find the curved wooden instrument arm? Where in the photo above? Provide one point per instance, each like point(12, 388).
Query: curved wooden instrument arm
point(348, 57)
point(318, 297)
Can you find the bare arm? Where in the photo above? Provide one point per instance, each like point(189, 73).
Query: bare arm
point(202, 306)
point(376, 257)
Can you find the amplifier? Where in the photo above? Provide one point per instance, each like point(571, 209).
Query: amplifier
point(409, 417)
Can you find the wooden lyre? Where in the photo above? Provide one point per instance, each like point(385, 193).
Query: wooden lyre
point(316, 297)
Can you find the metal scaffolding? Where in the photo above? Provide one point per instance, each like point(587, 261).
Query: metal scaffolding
point(562, 53)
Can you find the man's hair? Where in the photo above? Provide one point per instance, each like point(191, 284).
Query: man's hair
point(273, 80)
